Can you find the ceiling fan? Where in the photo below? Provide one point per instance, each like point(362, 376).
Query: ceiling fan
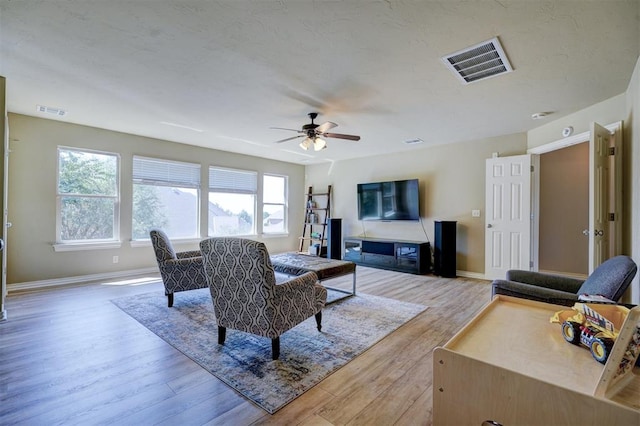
point(314, 134)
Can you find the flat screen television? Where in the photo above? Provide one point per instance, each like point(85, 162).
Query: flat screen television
point(392, 200)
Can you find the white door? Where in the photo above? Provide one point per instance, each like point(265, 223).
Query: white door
point(615, 193)
point(508, 215)
point(599, 142)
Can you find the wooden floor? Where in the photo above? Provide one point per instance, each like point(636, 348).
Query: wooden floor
point(69, 356)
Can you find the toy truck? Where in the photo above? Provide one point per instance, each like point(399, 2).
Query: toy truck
point(595, 326)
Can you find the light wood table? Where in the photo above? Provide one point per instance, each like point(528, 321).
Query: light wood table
point(510, 365)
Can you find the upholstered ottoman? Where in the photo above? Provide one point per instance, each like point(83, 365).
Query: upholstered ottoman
point(325, 269)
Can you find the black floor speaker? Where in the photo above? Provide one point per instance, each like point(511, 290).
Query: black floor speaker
point(334, 239)
point(444, 251)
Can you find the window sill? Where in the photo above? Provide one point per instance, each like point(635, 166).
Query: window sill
point(60, 247)
point(174, 242)
point(249, 236)
point(276, 235)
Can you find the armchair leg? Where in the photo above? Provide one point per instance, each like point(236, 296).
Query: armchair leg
point(170, 299)
point(222, 335)
point(319, 320)
point(275, 348)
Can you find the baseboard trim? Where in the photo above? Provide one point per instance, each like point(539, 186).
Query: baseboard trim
point(81, 279)
point(467, 274)
point(33, 285)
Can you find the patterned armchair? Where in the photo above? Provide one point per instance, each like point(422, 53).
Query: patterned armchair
point(245, 294)
point(179, 271)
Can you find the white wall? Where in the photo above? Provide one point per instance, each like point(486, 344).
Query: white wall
point(452, 180)
point(32, 197)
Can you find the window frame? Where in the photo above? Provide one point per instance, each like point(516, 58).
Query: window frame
point(284, 204)
point(180, 180)
point(254, 192)
point(103, 243)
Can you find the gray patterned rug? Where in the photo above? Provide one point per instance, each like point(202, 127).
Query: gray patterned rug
point(349, 327)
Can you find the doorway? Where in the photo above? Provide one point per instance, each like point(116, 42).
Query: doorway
point(604, 231)
point(564, 211)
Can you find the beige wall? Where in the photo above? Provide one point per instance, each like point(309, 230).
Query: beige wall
point(3, 114)
point(564, 210)
point(626, 108)
point(452, 184)
point(632, 176)
point(452, 180)
point(32, 202)
point(606, 112)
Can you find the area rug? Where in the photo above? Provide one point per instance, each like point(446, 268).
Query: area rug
point(349, 327)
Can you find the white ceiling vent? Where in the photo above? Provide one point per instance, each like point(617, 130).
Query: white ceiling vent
point(478, 62)
point(52, 111)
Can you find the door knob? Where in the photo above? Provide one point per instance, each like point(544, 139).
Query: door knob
point(489, 225)
point(585, 232)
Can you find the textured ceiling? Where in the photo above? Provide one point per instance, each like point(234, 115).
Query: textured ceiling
point(235, 68)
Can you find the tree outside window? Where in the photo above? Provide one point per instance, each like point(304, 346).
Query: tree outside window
point(166, 195)
point(88, 196)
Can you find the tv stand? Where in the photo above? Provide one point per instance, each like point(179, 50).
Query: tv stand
point(397, 255)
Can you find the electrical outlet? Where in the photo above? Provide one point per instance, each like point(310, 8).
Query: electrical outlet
point(115, 259)
point(475, 213)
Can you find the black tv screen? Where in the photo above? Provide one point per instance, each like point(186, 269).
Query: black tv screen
point(393, 200)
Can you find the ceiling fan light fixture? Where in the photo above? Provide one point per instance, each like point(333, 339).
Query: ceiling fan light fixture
point(313, 131)
point(305, 144)
point(319, 144)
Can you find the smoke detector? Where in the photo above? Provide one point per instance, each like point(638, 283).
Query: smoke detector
point(539, 115)
point(484, 60)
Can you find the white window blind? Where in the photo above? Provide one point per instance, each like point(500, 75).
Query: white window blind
point(165, 172)
point(236, 181)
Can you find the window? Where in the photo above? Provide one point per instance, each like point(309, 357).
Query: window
point(166, 194)
point(88, 196)
point(274, 204)
point(232, 202)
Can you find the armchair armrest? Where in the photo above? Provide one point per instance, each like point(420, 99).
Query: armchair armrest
point(182, 263)
point(296, 285)
point(539, 279)
point(309, 297)
point(533, 292)
point(190, 253)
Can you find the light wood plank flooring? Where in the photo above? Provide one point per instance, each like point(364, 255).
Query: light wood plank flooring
point(69, 356)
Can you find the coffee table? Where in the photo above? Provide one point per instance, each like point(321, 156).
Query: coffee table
point(297, 264)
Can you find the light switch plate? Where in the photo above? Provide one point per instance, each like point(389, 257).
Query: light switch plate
point(475, 213)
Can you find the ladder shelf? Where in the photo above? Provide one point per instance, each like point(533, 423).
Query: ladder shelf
point(316, 218)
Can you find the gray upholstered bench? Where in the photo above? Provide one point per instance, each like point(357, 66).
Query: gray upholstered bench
point(325, 269)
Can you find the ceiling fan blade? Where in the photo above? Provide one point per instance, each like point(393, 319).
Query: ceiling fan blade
point(341, 136)
point(325, 126)
point(291, 138)
point(284, 128)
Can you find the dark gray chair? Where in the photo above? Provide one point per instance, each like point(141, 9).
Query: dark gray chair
point(610, 280)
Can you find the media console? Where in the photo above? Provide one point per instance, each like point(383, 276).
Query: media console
point(397, 255)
